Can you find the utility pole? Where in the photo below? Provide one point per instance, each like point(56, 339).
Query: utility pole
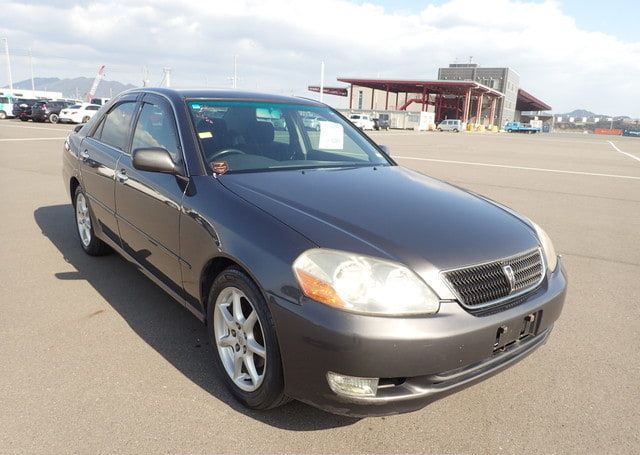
point(235, 71)
point(321, 80)
point(6, 50)
point(33, 85)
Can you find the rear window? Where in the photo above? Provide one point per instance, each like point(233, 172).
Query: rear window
point(75, 106)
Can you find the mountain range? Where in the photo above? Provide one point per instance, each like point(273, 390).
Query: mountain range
point(579, 113)
point(73, 88)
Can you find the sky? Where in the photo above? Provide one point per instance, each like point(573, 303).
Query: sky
point(569, 53)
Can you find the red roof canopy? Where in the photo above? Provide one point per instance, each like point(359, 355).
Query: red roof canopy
point(527, 102)
point(418, 86)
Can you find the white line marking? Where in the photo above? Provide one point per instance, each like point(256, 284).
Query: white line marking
point(524, 168)
point(20, 139)
point(35, 127)
point(624, 153)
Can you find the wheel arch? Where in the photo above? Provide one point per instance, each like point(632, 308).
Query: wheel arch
point(213, 268)
point(73, 184)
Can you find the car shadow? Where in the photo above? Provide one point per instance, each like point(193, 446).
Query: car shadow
point(162, 323)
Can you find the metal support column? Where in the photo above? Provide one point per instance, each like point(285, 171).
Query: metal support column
point(386, 102)
point(480, 99)
point(373, 96)
point(492, 111)
point(466, 106)
point(351, 97)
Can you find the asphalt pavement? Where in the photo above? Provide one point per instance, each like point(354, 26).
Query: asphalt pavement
point(94, 358)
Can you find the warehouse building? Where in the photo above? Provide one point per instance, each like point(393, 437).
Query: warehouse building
point(473, 94)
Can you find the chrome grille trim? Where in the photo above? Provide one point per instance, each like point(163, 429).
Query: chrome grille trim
point(483, 285)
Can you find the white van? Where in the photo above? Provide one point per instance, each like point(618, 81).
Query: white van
point(450, 125)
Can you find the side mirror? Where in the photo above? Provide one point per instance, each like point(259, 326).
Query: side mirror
point(385, 149)
point(154, 159)
point(78, 127)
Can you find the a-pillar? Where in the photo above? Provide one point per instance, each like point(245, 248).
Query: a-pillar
point(466, 106)
point(479, 109)
point(492, 110)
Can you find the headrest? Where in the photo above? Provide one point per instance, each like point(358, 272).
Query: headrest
point(264, 132)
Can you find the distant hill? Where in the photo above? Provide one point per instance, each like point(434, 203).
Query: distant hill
point(71, 87)
point(579, 113)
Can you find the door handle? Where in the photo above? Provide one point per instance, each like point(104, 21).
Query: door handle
point(122, 176)
point(84, 155)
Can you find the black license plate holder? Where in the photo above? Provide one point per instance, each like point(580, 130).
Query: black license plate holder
point(516, 330)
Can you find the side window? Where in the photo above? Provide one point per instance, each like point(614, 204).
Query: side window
point(114, 130)
point(156, 128)
point(92, 108)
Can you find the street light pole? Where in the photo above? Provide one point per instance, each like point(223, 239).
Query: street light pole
point(33, 85)
point(6, 50)
point(321, 80)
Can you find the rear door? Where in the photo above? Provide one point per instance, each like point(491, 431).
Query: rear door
point(148, 203)
point(99, 155)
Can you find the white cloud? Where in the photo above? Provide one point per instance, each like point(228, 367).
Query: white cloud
point(281, 42)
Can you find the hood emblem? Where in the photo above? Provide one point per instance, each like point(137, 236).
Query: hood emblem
point(510, 275)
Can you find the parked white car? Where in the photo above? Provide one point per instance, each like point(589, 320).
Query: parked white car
point(451, 125)
point(78, 113)
point(362, 121)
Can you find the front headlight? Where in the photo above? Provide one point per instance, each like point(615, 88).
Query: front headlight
point(363, 284)
point(547, 248)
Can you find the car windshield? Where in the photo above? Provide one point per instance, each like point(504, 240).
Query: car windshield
point(75, 106)
point(239, 136)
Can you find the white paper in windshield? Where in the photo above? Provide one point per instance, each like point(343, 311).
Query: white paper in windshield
point(331, 136)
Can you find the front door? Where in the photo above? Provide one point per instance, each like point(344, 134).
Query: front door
point(148, 203)
point(99, 155)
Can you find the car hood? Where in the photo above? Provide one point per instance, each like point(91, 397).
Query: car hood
point(388, 212)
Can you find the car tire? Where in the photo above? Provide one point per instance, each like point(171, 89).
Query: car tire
point(53, 118)
point(3, 115)
point(91, 244)
point(455, 130)
point(24, 119)
point(232, 341)
point(509, 131)
point(439, 129)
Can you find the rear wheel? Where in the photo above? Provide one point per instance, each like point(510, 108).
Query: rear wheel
point(244, 340)
point(53, 118)
point(24, 119)
point(91, 244)
point(3, 115)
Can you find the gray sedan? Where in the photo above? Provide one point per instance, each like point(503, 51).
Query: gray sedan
point(324, 271)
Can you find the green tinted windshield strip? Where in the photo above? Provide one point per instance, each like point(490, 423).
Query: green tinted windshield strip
point(197, 104)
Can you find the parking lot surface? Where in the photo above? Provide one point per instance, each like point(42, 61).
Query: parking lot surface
point(94, 358)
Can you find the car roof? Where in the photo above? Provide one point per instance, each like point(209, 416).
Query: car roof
point(222, 94)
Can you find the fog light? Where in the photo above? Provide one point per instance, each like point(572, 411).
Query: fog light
point(352, 386)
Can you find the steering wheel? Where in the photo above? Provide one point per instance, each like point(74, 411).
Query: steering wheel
point(226, 152)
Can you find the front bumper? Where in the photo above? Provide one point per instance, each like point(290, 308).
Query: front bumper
point(420, 358)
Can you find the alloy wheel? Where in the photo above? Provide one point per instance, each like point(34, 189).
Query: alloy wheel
point(240, 339)
point(83, 220)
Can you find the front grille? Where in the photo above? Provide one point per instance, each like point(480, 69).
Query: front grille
point(483, 285)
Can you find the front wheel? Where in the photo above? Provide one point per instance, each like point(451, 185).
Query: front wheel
point(91, 244)
point(243, 337)
point(509, 131)
point(3, 115)
point(53, 118)
point(24, 119)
